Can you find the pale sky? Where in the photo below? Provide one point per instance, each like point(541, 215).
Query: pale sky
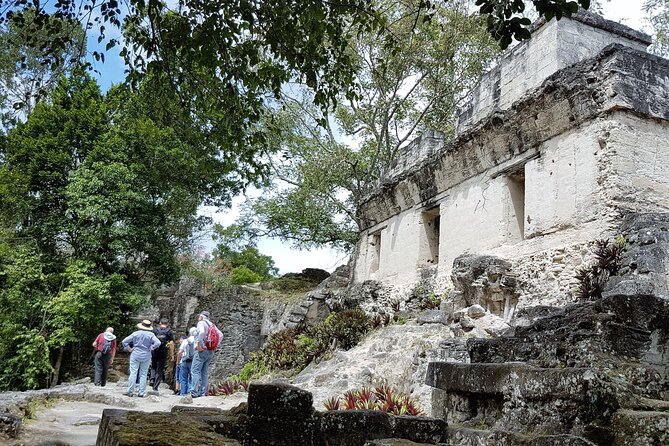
point(287, 260)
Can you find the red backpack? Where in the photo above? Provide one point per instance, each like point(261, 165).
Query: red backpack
point(212, 339)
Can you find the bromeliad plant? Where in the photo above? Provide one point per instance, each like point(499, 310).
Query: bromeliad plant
point(591, 279)
point(382, 398)
point(228, 387)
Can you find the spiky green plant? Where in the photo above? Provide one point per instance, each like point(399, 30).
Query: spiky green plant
point(332, 403)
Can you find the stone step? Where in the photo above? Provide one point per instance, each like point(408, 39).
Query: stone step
point(120, 427)
point(524, 381)
point(641, 428)
point(463, 436)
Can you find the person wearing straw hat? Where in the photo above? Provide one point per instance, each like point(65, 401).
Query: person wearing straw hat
point(144, 342)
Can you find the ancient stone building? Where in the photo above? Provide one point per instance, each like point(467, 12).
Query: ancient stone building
point(565, 136)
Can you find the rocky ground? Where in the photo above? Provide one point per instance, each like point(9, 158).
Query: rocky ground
point(396, 355)
point(73, 418)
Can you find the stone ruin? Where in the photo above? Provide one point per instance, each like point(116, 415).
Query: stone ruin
point(275, 415)
point(564, 142)
point(565, 136)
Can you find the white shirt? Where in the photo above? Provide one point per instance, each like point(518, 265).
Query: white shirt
point(202, 329)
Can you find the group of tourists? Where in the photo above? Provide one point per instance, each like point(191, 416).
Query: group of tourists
point(149, 346)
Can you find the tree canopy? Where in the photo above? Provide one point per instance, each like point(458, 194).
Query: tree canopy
point(318, 178)
point(240, 53)
point(99, 195)
point(658, 16)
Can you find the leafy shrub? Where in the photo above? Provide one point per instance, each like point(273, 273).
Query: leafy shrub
point(294, 348)
point(347, 327)
point(382, 398)
point(242, 275)
point(591, 279)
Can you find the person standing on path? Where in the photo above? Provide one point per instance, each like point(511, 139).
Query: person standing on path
point(105, 351)
point(185, 360)
point(144, 342)
point(204, 351)
point(159, 356)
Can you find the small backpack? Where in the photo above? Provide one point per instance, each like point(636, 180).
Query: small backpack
point(212, 339)
point(189, 352)
point(163, 336)
point(106, 347)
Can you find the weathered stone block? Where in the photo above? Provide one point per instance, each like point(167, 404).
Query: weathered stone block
point(123, 428)
point(637, 428)
point(10, 425)
point(279, 415)
point(432, 317)
point(475, 437)
point(273, 431)
point(354, 427)
point(418, 429)
point(394, 442)
point(519, 378)
point(281, 401)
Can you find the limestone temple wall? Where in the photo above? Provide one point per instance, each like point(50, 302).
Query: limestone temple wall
point(537, 173)
point(553, 46)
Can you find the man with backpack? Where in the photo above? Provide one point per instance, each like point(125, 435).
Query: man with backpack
point(105, 351)
point(159, 356)
point(207, 339)
point(185, 360)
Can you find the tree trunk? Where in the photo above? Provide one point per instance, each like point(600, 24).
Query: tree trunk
point(56, 368)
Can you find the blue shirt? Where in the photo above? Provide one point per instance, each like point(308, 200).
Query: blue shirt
point(143, 342)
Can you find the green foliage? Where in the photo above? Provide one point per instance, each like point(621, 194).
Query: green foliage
point(658, 15)
point(382, 398)
point(592, 279)
point(254, 368)
point(505, 25)
point(241, 256)
point(99, 195)
point(242, 275)
point(26, 72)
point(294, 348)
point(26, 364)
point(426, 300)
point(318, 182)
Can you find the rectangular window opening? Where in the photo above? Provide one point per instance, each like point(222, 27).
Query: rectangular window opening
point(516, 184)
point(429, 243)
point(375, 243)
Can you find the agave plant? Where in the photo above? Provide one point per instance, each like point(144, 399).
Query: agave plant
point(364, 394)
point(383, 392)
point(383, 398)
point(350, 399)
point(332, 403)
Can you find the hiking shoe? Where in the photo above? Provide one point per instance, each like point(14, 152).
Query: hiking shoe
point(186, 399)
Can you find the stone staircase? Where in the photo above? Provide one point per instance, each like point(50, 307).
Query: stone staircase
point(594, 373)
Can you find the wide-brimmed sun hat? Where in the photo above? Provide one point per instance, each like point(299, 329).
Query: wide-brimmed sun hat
point(145, 325)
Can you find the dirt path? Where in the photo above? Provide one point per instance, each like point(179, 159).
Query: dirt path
point(75, 423)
